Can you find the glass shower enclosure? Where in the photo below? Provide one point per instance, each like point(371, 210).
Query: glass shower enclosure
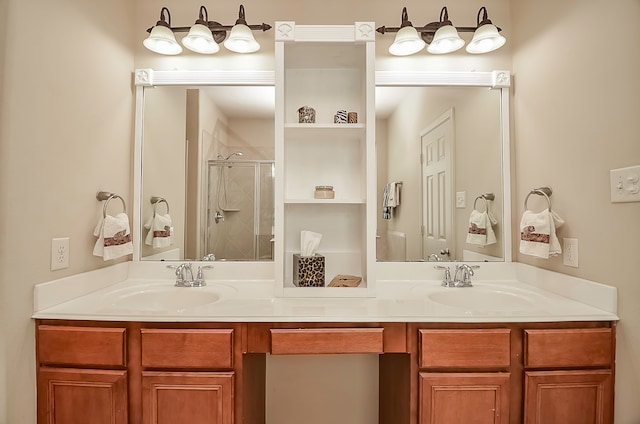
point(240, 210)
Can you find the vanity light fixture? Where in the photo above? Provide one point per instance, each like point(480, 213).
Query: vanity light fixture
point(442, 37)
point(486, 38)
point(446, 38)
point(200, 38)
point(204, 36)
point(241, 38)
point(407, 41)
point(161, 39)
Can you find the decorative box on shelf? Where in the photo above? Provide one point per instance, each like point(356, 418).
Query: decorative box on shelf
point(308, 271)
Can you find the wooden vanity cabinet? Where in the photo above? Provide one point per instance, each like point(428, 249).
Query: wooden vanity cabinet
point(532, 373)
point(464, 375)
point(82, 375)
point(569, 375)
point(187, 375)
point(215, 373)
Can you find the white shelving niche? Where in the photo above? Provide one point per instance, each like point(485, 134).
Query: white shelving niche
point(327, 68)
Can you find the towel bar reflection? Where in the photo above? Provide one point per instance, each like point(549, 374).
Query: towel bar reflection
point(155, 200)
point(540, 191)
point(486, 197)
point(106, 197)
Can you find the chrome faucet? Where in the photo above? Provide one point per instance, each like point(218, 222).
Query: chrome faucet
point(434, 258)
point(184, 275)
point(465, 271)
point(461, 278)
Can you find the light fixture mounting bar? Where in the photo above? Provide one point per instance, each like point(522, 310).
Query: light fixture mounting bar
point(427, 31)
point(431, 27)
point(217, 27)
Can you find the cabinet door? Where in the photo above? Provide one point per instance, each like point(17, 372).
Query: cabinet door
point(74, 396)
point(187, 398)
point(559, 397)
point(464, 398)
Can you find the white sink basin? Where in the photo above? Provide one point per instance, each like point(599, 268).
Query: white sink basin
point(480, 299)
point(164, 298)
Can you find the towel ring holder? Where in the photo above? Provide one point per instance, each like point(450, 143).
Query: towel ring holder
point(486, 197)
point(106, 196)
point(542, 191)
point(155, 200)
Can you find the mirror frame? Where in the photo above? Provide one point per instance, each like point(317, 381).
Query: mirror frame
point(498, 80)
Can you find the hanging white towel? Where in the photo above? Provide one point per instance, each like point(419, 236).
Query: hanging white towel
point(390, 199)
point(114, 237)
point(538, 234)
point(481, 228)
point(160, 231)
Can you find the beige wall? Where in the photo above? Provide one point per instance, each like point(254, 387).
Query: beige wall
point(3, 177)
point(66, 134)
point(576, 116)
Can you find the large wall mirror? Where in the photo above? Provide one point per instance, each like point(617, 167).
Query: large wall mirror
point(205, 166)
point(439, 171)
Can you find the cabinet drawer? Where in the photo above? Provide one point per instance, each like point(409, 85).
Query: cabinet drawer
point(82, 346)
point(187, 348)
point(326, 341)
point(575, 347)
point(480, 348)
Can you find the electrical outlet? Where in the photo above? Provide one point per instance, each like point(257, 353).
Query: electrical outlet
point(461, 199)
point(570, 255)
point(59, 253)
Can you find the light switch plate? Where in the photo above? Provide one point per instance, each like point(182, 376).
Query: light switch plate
point(570, 252)
point(461, 199)
point(625, 184)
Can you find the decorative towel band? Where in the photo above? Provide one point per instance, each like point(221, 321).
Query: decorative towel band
point(106, 196)
point(155, 200)
point(541, 191)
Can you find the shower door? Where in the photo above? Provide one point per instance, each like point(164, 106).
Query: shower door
point(240, 202)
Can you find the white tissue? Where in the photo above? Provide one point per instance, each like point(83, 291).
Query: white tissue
point(309, 242)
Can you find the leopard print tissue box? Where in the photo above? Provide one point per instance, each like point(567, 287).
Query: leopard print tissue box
point(308, 271)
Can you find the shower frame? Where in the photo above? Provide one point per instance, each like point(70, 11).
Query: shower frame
point(214, 165)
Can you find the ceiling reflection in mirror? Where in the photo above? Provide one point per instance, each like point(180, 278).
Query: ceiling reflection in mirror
point(208, 152)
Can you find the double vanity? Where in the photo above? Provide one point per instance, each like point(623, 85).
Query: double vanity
point(123, 344)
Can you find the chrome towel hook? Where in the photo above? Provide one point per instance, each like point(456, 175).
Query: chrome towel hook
point(540, 191)
point(106, 197)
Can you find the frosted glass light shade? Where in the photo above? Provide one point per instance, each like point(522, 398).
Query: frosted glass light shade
point(161, 40)
point(241, 40)
point(445, 40)
point(407, 42)
point(200, 40)
point(486, 39)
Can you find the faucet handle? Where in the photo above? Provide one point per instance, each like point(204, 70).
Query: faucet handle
point(200, 281)
point(446, 281)
point(179, 269)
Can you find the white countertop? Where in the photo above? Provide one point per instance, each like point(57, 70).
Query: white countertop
point(137, 291)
